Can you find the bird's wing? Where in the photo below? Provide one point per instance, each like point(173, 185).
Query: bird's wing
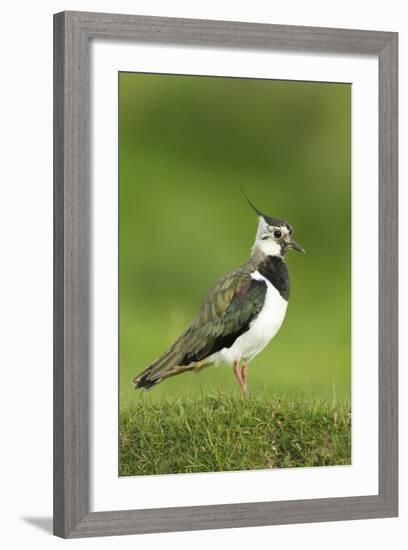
point(225, 314)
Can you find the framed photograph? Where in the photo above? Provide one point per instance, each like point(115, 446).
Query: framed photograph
point(225, 289)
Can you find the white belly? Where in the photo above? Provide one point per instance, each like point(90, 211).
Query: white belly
point(261, 330)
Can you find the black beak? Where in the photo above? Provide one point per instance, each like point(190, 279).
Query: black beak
point(296, 246)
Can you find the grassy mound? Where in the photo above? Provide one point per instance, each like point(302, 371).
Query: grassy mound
point(226, 432)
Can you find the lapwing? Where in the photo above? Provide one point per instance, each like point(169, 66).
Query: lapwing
point(240, 315)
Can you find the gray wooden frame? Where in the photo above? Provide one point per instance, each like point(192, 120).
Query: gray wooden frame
point(72, 34)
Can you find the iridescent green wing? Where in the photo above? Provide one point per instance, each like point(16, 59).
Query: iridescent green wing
point(225, 314)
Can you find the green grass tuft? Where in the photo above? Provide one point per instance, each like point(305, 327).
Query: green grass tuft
point(225, 432)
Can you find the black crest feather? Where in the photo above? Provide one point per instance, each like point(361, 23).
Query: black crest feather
point(269, 219)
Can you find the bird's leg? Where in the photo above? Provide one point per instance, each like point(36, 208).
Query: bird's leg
point(244, 376)
point(238, 375)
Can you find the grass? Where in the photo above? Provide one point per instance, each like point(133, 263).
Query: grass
point(224, 432)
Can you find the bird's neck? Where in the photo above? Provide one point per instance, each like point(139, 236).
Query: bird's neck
point(274, 269)
point(259, 256)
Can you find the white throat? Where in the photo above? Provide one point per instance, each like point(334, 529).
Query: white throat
point(268, 247)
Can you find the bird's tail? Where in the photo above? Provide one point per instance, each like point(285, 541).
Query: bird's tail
point(165, 366)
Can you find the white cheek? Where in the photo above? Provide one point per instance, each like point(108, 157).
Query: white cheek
point(269, 247)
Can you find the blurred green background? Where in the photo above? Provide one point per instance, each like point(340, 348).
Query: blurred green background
point(186, 144)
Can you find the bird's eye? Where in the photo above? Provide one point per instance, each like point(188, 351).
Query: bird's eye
point(277, 234)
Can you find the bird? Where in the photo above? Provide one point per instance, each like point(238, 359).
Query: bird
point(240, 314)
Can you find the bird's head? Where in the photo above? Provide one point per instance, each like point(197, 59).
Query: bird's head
point(274, 237)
